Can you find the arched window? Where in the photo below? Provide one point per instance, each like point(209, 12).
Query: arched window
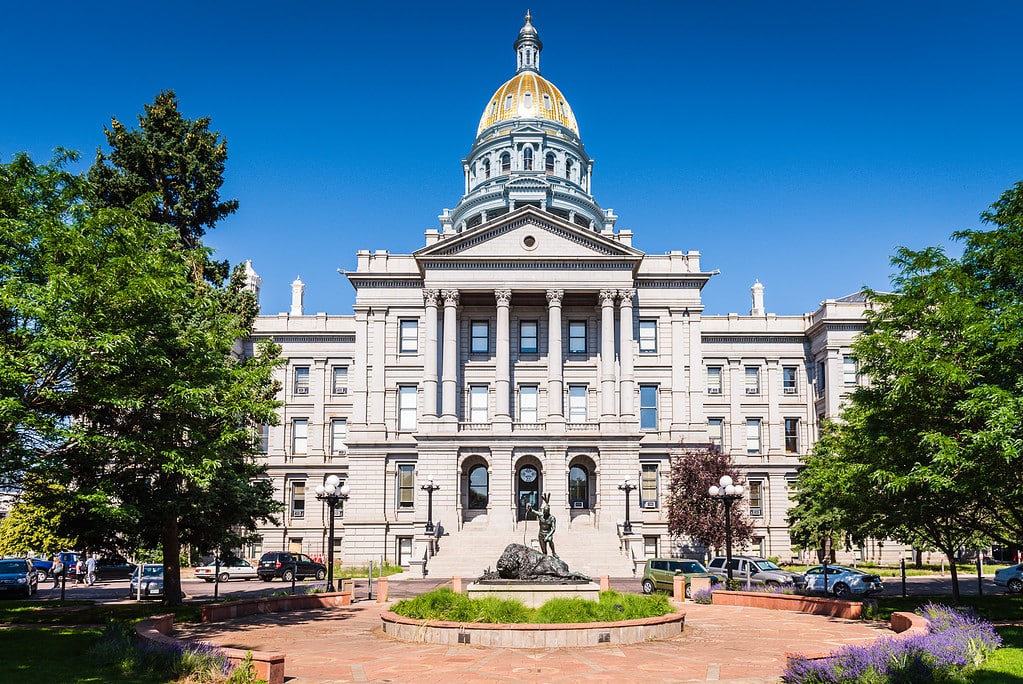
point(486, 168)
point(568, 169)
point(549, 165)
point(505, 163)
point(479, 488)
point(578, 487)
point(527, 159)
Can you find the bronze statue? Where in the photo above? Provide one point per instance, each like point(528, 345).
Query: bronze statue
point(548, 523)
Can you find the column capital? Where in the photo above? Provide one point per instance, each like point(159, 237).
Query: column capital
point(607, 297)
point(627, 295)
point(503, 297)
point(554, 297)
point(430, 297)
point(450, 297)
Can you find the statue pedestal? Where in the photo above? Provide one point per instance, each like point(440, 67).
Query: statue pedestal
point(533, 594)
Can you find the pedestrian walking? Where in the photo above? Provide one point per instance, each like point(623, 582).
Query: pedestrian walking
point(80, 571)
point(90, 570)
point(57, 570)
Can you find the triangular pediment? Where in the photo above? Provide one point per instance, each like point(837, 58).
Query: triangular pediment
point(528, 234)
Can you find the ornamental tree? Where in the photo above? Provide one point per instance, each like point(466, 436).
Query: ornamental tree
point(691, 512)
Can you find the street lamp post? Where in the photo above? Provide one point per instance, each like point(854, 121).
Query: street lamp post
point(727, 493)
point(627, 486)
point(332, 492)
point(430, 487)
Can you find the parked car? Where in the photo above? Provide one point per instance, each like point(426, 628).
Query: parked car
point(234, 569)
point(151, 577)
point(18, 576)
point(842, 581)
point(659, 573)
point(756, 570)
point(113, 568)
point(1011, 578)
point(287, 566)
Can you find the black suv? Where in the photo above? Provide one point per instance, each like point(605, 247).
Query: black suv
point(288, 566)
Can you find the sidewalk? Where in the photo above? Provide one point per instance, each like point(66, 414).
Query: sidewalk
point(719, 643)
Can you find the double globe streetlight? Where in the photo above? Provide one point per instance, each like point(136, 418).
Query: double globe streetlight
point(332, 492)
point(430, 487)
point(727, 493)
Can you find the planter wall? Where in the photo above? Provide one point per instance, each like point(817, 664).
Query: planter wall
point(533, 635)
point(274, 604)
point(850, 610)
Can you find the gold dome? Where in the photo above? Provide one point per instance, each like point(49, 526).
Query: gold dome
point(528, 95)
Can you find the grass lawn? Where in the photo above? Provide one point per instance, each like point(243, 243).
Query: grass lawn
point(994, 607)
point(1005, 666)
point(57, 654)
point(88, 613)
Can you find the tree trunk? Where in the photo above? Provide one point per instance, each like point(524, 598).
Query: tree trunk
point(950, 555)
point(171, 562)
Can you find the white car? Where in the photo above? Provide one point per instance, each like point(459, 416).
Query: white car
point(842, 581)
point(236, 569)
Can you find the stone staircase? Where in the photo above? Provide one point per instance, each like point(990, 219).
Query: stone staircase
point(587, 548)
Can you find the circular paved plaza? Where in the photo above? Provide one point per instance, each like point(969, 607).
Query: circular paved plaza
point(719, 644)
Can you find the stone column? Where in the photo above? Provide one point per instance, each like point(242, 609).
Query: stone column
point(555, 372)
point(626, 389)
point(378, 321)
point(607, 352)
point(430, 358)
point(503, 353)
point(449, 377)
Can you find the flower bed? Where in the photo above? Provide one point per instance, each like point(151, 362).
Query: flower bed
point(956, 641)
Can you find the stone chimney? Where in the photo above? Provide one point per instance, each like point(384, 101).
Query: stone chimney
point(297, 292)
point(758, 299)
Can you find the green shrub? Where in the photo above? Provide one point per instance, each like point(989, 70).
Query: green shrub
point(444, 604)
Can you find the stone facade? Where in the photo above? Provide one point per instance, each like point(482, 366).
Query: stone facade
point(529, 348)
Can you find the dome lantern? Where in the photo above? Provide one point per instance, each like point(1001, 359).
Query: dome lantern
point(528, 47)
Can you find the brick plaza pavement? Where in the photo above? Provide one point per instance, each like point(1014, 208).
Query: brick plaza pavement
point(718, 644)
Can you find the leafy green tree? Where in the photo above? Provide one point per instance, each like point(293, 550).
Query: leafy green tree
point(929, 451)
point(692, 513)
point(149, 419)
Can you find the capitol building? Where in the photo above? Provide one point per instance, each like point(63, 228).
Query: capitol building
point(531, 347)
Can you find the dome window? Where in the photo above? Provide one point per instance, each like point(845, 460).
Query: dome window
point(508, 102)
point(549, 164)
point(493, 108)
point(547, 102)
point(568, 169)
point(527, 159)
point(486, 168)
point(505, 163)
point(527, 100)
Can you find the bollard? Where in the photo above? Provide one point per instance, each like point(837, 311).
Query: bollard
point(679, 586)
point(456, 585)
point(382, 590)
point(605, 583)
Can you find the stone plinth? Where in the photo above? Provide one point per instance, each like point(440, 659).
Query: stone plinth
point(533, 594)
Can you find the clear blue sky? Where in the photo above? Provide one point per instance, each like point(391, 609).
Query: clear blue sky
point(794, 142)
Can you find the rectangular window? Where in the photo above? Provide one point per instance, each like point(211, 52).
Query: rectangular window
point(301, 379)
point(408, 397)
point(647, 336)
point(339, 385)
point(338, 435)
point(406, 485)
point(577, 337)
point(528, 408)
point(577, 403)
point(299, 436)
point(756, 498)
point(408, 333)
point(752, 379)
point(403, 545)
point(716, 432)
point(789, 375)
point(480, 337)
point(298, 499)
point(648, 407)
point(850, 370)
point(264, 439)
point(791, 435)
point(714, 380)
point(650, 547)
point(752, 435)
point(821, 378)
point(528, 337)
point(648, 486)
point(478, 396)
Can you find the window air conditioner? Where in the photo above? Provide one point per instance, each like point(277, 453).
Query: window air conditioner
point(577, 504)
point(756, 511)
point(752, 390)
point(713, 390)
point(790, 390)
point(649, 504)
point(340, 390)
point(301, 390)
